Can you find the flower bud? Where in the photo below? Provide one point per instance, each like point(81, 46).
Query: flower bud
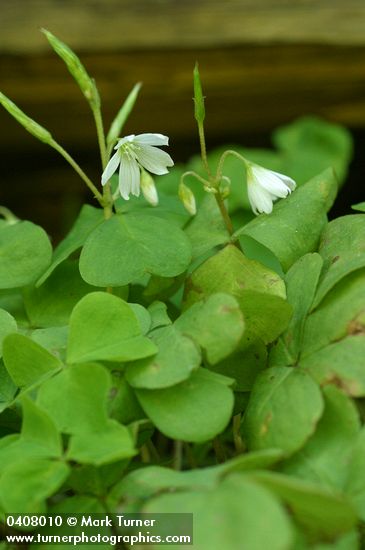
point(29, 124)
point(225, 187)
point(187, 198)
point(149, 188)
point(199, 110)
point(76, 68)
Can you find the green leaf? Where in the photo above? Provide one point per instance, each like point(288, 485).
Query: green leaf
point(76, 399)
point(295, 225)
point(215, 324)
point(126, 247)
point(104, 327)
point(340, 363)
point(258, 291)
point(266, 315)
point(123, 114)
point(359, 206)
point(343, 251)
point(26, 485)
point(340, 314)
point(12, 301)
point(206, 229)
point(112, 443)
point(143, 317)
point(159, 315)
point(254, 250)
point(230, 271)
point(195, 410)
point(27, 362)
point(39, 438)
point(51, 304)
point(88, 218)
point(244, 365)
point(355, 482)
point(39, 429)
point(177, 357)
point(323, 514)
point(324, 459)
point(148, 481)
point(53, 339)
point(309, 145)
point(301, 280)
point(123, 404)
point(25, 252)
point(246, 516)
point(7, 326)
point(267, 423)
point(7, 388)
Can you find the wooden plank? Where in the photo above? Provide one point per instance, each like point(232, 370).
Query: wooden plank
point(248, 89)
point(107, 25)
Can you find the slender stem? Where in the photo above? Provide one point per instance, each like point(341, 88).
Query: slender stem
point(79, 170)
point(219, 450)
point(107, 192)
point(223, 159)
point(203, 149)
point(145, 454)
point(101, 136)
point(205, 182)
point(224, 212)
point(237, 439)
point(190, 456)
point(214, 181)
point(153, 451)
point(178, 449)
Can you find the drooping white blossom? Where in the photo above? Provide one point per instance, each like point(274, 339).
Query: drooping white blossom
point(265, 186)
point(132, 154)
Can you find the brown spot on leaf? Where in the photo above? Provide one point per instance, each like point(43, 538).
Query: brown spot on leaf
point(355, 327)
point(350, 387)
point(334, 260)
point(226, 309)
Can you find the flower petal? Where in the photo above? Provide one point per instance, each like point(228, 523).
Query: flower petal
point(110, 168)
point(126, 139)
point(154, 160)
point(269, 181)
point(128, 177)
point(152, 139)
point(259, 198)
point(288, 181)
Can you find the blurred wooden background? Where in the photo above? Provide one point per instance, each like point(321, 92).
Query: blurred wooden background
point(262, 63)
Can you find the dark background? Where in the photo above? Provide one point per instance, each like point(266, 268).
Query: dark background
point(262, 64)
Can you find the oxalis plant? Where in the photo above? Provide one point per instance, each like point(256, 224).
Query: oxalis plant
point(201, 359)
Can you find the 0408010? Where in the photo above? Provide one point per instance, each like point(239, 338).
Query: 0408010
point(19, 520)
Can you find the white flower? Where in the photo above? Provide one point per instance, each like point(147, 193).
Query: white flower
point(132, 153)
point(265, 186)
